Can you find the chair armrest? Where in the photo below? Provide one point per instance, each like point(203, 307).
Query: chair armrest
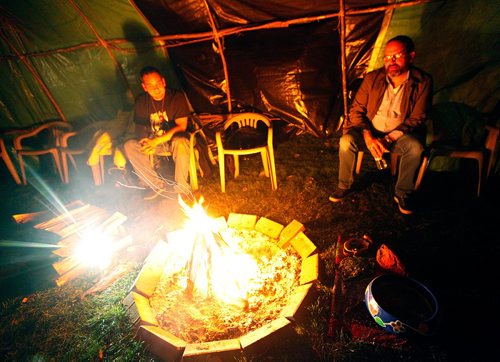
point(64, 138)
point(53, 124)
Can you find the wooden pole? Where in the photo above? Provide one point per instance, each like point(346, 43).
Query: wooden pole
point(105, 45)
point(220, 47)
point(37, 77)
point(343, 60)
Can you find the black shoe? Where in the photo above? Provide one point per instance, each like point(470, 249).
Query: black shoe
point(405, 204)
point(339, 195)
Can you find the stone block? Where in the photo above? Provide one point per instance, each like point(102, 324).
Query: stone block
point(144, 309)
point(162, 343)
point(292, 229)
point(310, 269)
point(269, 227)
point(244, 221)
point(225, 350)
point(303, 245)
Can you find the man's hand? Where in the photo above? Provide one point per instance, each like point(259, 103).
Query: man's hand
point(148, 145)
point(376, 146)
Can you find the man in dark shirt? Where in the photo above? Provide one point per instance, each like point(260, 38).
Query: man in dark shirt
point(161, 119)
point(389, 114)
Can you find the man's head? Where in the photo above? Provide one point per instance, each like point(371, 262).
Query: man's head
point(153, 83)
point(398, 55)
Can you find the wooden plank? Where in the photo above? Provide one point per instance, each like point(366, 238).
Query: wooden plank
point(303, 245)
point(152, 270)
point(289, 232)
point(225, 350)
point(110, 226)
point(162, 343)
point(310, 269)
point(64, 265)
point(70, 275)
point(244, 221)
point(24, 218)
point(299, 300)
point(269, 227)
point(49, 223)
point(257, 342)
point(144, 308)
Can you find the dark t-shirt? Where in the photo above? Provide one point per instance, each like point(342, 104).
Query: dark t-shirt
point(160, 116)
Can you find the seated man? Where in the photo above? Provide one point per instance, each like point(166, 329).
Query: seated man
point(389, 113)
point(161, 119)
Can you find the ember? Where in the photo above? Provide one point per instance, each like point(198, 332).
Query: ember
point(200, 320)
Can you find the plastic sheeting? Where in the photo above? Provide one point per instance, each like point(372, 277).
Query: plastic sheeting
point(80, 59)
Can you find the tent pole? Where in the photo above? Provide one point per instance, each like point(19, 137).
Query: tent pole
point(37, 77)
point(222, 57)
point(105, 46)
point(343, 60)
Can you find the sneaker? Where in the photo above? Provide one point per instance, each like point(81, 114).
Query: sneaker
point(405, 205)
point(339, 195)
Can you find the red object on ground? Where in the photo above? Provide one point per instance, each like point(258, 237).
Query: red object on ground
point(389, 261)
point(367, 334)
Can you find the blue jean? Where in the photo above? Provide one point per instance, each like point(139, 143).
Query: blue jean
point(407, 147)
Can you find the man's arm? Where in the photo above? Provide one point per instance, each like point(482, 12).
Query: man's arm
point(422, 104)
point(149, 144)
point(358, 113)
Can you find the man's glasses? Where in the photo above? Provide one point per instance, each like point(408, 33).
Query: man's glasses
point(394, 57)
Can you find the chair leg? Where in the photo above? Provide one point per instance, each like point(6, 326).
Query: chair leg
point(222, 172)
point(394, 163)
point(23, 171)
point(10, 166)
point(265, 158)
point(236, 165)
point(64, 162)
point(101, 165)
point(272, 169)
point(193, 176)
point(359, 159)
point(57, 160)
point(421, 172)
point(480, 171)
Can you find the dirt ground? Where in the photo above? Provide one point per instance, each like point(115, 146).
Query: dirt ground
point(450, 244)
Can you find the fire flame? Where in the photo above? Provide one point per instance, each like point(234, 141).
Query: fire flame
point(216, 268)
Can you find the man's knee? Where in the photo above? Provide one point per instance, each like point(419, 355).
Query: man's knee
point(130, 146)
point(180, 145)
point(413, 147)
point(346, 142)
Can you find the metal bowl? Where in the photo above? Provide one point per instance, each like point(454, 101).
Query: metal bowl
point(402, 305)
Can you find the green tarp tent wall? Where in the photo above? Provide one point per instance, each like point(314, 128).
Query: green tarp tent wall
point(79, 59)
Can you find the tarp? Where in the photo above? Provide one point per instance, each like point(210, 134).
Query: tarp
point(79, 59)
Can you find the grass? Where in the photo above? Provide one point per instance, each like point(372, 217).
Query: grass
point(437, 245)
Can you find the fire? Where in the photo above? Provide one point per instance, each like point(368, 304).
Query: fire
point(216, 268)
point(95, 249)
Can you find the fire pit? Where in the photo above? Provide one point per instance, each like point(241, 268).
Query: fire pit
point(233, 289)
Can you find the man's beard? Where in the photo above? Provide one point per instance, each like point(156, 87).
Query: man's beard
point(394, 70)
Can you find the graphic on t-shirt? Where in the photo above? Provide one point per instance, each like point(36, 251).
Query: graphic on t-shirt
point(159, 123)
